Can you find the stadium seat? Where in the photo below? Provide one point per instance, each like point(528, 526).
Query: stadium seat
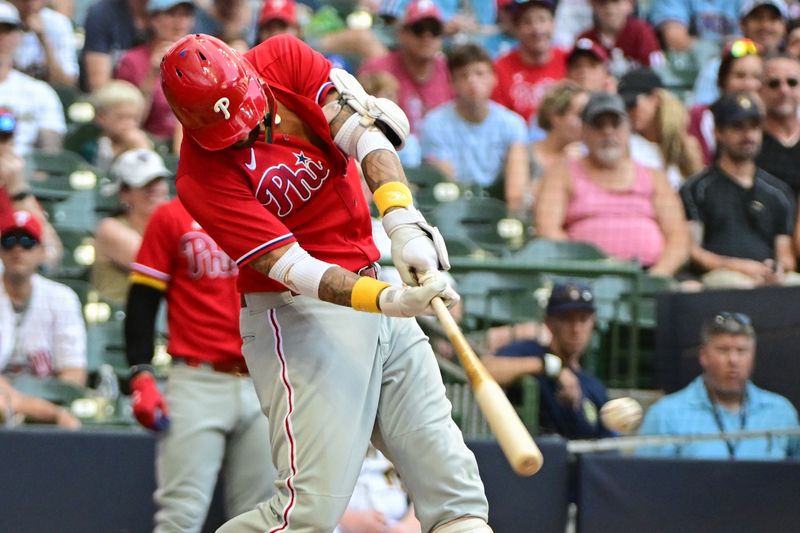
point(628, 344)
point(106, 336)
point(549, 250)
point(56, 175)
point(425, 175)
point(474, 219)
point(50, 389)
point(77, 107)
point(79, 254)
point(80, 136)
point(495, 298)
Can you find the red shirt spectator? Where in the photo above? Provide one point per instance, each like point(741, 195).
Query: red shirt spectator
point(521, 86)
point(416, 97)
point(418, 63)
point(525, 74)
point(636, 45)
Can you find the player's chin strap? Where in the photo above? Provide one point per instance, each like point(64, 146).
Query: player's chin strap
point(465, 524)
point(378, 123)
point(272, 118)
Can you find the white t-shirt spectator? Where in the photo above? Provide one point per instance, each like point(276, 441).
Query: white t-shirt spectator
point(46, 337)
point(30, 56)
point(36, 106)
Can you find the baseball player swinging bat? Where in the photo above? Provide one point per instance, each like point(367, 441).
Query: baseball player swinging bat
point(522, 453)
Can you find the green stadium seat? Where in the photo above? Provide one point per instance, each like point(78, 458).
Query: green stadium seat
point(50, 389)
point(494, 298)
point(106, 336)
point(80, 136)
point(79, 254)
point(473, 219)
point(56, 175)
point(549, 250)
point(77, 107)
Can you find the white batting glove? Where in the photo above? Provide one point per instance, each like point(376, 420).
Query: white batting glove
point(417, 246)
point(415, 301)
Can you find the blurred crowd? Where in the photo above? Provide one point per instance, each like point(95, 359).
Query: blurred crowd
point(664, 133)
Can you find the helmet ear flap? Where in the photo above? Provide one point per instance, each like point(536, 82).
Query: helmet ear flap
point(213, 90)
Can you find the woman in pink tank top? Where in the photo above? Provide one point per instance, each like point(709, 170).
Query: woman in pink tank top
point(625, 209)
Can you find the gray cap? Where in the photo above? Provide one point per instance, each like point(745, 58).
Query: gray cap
point(9, 15)
point(601, 103)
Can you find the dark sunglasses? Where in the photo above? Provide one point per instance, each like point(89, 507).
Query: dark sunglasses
point(8, 242)
point(774, 83)
point(426, 26)
point(729, 322)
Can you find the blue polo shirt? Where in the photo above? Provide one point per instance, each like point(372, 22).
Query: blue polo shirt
point(690, 412)
point(581, 423)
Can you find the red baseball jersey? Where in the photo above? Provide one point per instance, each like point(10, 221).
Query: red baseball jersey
point(637, 41)
point(254, 200)
point(199, 279)
point(521, 86)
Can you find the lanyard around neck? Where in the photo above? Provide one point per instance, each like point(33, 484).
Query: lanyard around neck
point(715, 410)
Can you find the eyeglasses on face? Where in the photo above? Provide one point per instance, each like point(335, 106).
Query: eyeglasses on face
point(8, 242)
point(774, 83)
point(426, 26)
point(742, 47)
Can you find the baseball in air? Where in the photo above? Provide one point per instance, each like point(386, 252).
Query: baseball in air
point(621, 414)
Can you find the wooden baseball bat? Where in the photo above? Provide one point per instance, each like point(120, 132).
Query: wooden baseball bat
point(517, 444)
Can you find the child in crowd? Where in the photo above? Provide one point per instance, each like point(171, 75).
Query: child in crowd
point(119, 108)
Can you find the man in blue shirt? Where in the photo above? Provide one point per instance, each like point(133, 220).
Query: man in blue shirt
point(473, 140)
point(570, 398)
point(723, 400)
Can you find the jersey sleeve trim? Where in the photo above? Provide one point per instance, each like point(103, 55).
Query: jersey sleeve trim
point(323, 92)
point(265, 247)
point(150, 271)
point(141, 279)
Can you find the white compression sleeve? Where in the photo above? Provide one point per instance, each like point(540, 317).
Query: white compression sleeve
point(299, 271)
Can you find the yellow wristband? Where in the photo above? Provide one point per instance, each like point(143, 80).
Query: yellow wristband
point(364, 296)
point(392, 194)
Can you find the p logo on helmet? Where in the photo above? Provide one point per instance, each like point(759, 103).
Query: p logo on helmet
point(222, 105)
point(214, 91)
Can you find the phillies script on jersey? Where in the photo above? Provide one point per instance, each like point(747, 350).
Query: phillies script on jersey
point(258, 199)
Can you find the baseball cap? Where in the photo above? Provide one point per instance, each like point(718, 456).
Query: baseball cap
point(419, 10)
point(8, 121)
point(734, 108)
point(570, 296)
point(547, 4)
point(284, 10)
point(157, 6)
point(748, 6)
point(22, 221)
point(586, 46)
point(137, 168)
point(9, 15)
point(601, 103)
point(637, 81)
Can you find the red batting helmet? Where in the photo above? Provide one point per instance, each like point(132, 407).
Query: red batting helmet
point(214, 91)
